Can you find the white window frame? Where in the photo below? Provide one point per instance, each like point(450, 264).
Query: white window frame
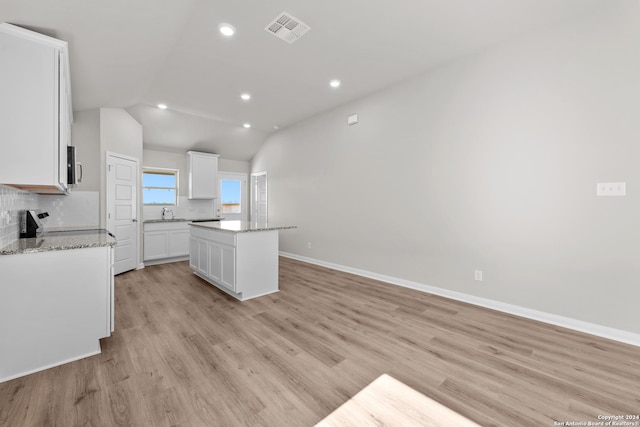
point(242, 177)
point(161, 171)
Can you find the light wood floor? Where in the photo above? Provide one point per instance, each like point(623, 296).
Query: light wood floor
point(185, 354)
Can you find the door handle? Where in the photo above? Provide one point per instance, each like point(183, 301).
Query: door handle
point(134, 220)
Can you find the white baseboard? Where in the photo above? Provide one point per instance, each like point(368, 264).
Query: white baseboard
point(52, 365)
point(541, 316)
point(164, 261)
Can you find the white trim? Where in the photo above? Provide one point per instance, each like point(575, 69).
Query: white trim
point(541, 316)
point(244, 194)
point(152, 169)
point(53, 365)
point(165, 260)
point(254, 202)
point(124, 156)
point(108, 155)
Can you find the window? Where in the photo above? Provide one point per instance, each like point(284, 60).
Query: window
point(160, 187)
point(230, 195)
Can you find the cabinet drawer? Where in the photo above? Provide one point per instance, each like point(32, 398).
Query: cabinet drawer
point(166, 226)
point(200, 232)
point(223, 237)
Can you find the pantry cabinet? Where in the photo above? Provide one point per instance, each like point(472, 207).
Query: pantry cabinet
point(203, 168)
point(36, 112)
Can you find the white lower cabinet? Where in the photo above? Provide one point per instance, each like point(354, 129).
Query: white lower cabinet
point(222, 264)
point(55, 306)
point(156, 245)
point(166, 241)
point(228, 267)
point(198, 258)
point(215, 261)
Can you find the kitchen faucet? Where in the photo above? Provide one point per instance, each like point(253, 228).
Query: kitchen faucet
point(164, 212)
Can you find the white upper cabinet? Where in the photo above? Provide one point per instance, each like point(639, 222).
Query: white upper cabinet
point(35, 110)
point(203, 168)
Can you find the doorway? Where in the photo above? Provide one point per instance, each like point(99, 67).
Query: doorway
point(232, 203)
point(259, 196)
point(122, 209)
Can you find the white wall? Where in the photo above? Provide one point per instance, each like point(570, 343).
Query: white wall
point(81, 207)
point(178, 160)
point(121, 134)
point(186, 208)
point(85, 136)
point(490, 163)
point(237, 166)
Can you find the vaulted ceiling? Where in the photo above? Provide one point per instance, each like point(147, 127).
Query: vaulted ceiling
point(135, 54)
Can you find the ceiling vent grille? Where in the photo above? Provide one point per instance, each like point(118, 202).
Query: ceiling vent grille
point(287, 27)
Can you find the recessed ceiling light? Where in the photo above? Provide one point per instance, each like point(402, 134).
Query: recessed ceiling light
point(334, 83)
point(245, 96)
point(276, 127)
point(162, 106)
point(227, 30)
point(247, 125)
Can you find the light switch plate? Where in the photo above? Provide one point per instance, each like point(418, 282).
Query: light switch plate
point(612, 189)
point(352, 119)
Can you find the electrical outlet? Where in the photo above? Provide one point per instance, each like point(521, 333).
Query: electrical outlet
point(478, 275)
point(612, 189)
point(308, 245)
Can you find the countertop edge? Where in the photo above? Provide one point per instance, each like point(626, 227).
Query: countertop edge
point(169, 221)
point(60, 241)
point(56, 248)
point(246, 230)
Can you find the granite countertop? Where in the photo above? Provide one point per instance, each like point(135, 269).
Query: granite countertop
point(61, 239)
point(242, 226)
point(148, 221)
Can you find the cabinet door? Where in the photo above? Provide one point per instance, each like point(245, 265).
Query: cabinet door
point(215, 262)
point(194, 256)
point(64, 138)
point(228, 278)
point(203, 168)
point(202, 257)
point(29, 110)
point(156, 245)
point(178, 243)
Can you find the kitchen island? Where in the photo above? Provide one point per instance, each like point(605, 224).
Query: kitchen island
point(238, 257)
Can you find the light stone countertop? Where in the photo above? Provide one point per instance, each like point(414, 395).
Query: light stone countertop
point(61, 239)
point(150, 221)
point(242, 226)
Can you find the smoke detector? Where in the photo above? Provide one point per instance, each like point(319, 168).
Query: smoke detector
point(287, 27)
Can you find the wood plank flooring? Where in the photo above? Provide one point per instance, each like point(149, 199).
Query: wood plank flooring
point(186, 354)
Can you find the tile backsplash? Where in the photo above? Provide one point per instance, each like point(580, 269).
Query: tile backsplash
point(12, 201)
point(78, 209)
point(186, 208)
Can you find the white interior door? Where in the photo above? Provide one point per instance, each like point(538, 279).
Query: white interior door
point(122, 209)
point(232, 199)
point(259, 196)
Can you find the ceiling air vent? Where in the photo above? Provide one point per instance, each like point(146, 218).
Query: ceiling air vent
point(287, 27)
